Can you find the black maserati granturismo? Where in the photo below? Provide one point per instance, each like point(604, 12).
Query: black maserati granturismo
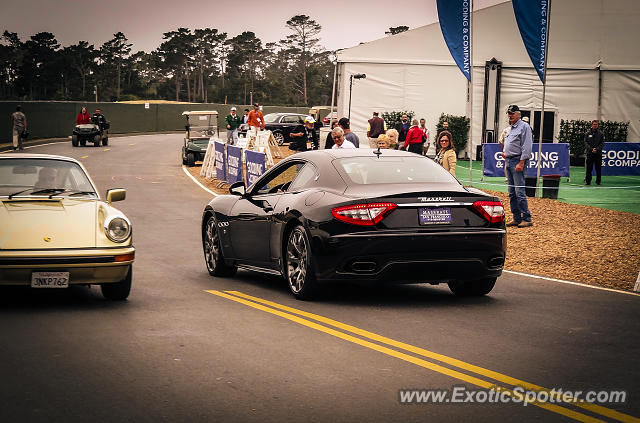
point(371, 216)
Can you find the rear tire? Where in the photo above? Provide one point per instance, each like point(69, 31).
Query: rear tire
point(472, 288)
point(213, 256)
point(299, 265)
point(279, 137)
point(191, 159)
point(74, 140)
point(118, 291)
point(105, 141)
point(96, 141)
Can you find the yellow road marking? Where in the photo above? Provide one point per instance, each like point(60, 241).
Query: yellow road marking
point(443, 358)
point(402, 356)
point(133, 143)
point(106, 149)
point(84, 157)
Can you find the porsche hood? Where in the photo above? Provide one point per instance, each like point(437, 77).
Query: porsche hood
point(47, 223)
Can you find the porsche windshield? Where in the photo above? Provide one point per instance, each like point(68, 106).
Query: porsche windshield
point(392, 170)
point(26, 177)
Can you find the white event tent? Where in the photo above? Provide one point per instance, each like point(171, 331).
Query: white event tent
point(593, 70)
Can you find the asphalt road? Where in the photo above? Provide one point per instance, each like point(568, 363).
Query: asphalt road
point(176, 352)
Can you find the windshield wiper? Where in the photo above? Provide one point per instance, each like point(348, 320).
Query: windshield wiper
point(80, 192)
point(49, 191)
point(19, 192)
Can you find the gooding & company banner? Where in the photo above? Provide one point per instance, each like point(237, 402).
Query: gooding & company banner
point(554, 160)
point(220, 161)
point(234, 161)
point(454, 16)
point(255, 165)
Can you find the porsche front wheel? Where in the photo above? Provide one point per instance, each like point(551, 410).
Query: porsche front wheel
point(213, 256)
point(300, 274)
point(118, 291)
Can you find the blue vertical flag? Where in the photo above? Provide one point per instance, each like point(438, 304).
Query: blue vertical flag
point(532, 17)
point(454, 16)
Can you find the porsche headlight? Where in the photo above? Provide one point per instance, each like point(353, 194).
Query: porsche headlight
point(117, 228)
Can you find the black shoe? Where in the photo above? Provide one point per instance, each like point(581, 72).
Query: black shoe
point(587, 183)
point(597, 183)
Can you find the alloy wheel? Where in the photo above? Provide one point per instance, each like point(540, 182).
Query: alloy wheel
point(297, 260)
point(212, 246)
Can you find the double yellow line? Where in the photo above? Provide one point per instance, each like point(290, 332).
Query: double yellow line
point(310, 320)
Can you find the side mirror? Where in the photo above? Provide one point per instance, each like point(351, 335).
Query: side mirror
point(116, 194)
point(238, 188)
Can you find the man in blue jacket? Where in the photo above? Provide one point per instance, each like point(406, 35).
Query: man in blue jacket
point(516, 153)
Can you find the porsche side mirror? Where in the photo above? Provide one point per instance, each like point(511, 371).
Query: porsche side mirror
point(116, 194)
point(238, 188)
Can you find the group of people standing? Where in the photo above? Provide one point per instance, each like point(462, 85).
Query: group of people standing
point(254, 119)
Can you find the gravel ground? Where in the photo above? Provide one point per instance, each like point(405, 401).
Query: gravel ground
point(568, 241)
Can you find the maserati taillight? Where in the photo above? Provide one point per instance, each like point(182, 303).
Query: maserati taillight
point(363, 214)
point(493, 211)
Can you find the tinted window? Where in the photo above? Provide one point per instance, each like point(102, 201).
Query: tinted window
point(281, 180)
point(392, 170)
point(304, 179)
point(291, 119)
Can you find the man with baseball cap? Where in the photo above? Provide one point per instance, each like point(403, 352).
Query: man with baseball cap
point(233, 121)
point(516, 154)
point(305, 137)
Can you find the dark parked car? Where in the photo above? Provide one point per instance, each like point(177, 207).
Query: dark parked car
point(349, 215)
point(281, 125)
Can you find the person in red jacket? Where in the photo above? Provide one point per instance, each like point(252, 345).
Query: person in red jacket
point(413, 142)
point(83, 117)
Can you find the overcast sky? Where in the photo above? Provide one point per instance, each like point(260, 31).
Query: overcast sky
point(344, 23)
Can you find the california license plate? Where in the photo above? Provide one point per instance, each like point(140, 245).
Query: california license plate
point(434, 215)
point(49, 279)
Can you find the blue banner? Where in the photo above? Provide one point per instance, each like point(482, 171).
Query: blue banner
point(620, 158)
point(221, 163)
point(454, 16)
point(532, 17)
point(255, 165)
point(555, 160)
point(234, 164)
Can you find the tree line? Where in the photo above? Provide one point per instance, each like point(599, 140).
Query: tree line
point(195, 65)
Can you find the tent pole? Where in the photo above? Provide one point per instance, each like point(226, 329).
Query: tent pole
point(333, 90)
point(544, 91)
point(470, 93)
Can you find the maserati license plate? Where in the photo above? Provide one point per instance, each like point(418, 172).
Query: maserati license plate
point(49, 279)
point(434, 215)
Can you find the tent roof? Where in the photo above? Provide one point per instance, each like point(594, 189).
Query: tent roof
point(583, 35)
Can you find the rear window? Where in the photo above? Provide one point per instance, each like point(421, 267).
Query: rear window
point(392, 170)
point(271, 117)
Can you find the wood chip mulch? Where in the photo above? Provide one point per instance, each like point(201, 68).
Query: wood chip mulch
point(576, 243)
point(568, 241)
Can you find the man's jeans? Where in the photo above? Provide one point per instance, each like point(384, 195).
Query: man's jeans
point(232, 136)
point(517, 194)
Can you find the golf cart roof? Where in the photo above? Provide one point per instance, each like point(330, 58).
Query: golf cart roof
point(200, 112)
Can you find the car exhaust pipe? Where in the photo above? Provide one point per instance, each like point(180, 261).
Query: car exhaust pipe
point(363, 266)
point(497, 261)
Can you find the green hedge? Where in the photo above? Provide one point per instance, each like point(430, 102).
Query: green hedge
point(459, 128)
point(573, 131)
point(393, 119)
